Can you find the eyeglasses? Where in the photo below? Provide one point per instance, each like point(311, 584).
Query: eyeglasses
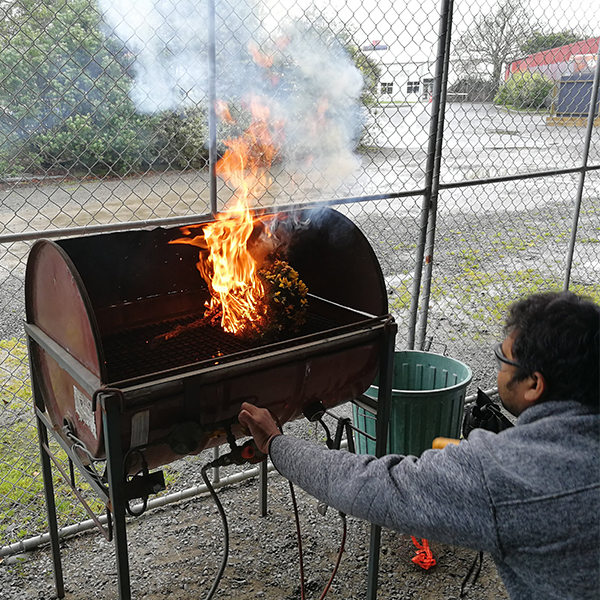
point(500, 358)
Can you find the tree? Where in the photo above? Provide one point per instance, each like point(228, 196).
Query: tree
point(539, 41)
point(493, 40)
point(54, 63)
point(64, 91)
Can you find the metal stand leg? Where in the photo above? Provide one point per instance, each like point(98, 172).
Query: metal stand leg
point(373, 573)
point(51, 509)
point(114, 462)
point(384, 399)
point(262, 488)
point(216, 471)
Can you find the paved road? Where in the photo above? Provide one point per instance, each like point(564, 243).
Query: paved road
point(480, 142)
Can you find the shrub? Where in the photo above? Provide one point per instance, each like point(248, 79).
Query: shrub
point(525, 90)
point(181, 138)
point(120, 143)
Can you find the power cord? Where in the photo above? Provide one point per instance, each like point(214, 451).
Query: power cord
point(249, 452)
point(331, 443)
point(339, 556)
point(212, 492)
point(300, 554)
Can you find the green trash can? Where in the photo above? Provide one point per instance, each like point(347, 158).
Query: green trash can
point(428, 397)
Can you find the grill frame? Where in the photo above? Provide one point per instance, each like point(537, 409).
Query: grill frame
point(112, 403)
point(168, 394)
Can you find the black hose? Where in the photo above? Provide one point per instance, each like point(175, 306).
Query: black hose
point(210, 488)
point(327, 434)
point(299, 536)
point(474, 570)
point(144, 471)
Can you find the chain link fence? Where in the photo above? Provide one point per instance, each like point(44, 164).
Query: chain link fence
point(469, 158)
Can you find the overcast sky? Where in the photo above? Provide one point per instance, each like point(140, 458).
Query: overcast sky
point(410, 27)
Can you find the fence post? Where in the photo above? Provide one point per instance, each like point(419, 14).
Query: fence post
point(584, 162)
point(435, 183)
point(212, 99)
point(426, 207)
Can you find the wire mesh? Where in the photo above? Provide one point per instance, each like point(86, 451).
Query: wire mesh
point(105, 123)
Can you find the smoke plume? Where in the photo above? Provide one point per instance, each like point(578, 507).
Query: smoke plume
point(301, 72)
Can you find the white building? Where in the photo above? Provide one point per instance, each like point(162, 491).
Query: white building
point(403, 78)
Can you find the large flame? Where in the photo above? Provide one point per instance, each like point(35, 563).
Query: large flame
point(226, 263)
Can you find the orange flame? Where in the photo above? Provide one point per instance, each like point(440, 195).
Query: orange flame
point(260, 57)
point(230, 270)
point(222, 111)
point(227, 264)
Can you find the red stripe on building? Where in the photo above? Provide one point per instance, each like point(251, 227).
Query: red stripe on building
point(556, 56)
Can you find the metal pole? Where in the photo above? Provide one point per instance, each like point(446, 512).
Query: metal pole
point(586, 152)
point(212, 100)
point(216, 471)
point(429, 172)
point(42, 432)
point(384, 401)
point(431, 229)
point(110, 406)
point(24, 236)
point(262, 489)
point(34, 542)
point(51, 509)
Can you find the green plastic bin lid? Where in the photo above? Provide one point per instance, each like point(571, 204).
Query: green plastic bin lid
point(418, 373)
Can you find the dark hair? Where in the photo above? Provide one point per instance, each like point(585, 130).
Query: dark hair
point(558, 334)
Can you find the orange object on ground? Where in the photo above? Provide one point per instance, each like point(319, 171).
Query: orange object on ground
point(424, 557)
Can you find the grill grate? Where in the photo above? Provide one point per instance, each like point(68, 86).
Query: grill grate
point(136, 353)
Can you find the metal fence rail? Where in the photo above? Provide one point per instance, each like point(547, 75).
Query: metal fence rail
point(473, 170)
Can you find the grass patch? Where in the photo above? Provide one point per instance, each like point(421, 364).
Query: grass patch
point(15, 389)
point(487, 295)
point(22, 503)
point(400, 300)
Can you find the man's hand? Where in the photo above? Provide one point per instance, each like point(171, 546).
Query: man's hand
point(260, 423)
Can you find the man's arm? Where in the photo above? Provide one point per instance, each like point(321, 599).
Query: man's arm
point(441, 495)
